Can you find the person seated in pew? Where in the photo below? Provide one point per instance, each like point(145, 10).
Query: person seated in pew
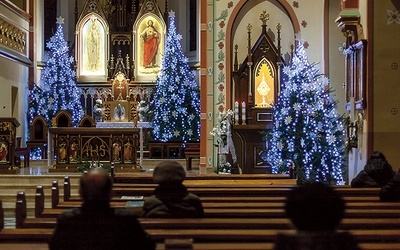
point(95, 225)
point(391, 191)
point(315, 209)
point(171, 198)
point(376, 173)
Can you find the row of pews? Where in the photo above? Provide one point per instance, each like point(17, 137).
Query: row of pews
point(238, 215)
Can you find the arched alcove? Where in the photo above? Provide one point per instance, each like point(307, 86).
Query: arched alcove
point(92, 48)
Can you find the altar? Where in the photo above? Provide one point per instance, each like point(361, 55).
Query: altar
point(70, 147)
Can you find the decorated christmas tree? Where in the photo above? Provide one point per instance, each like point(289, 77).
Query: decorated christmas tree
point(308, 134)
point(176, 100)
point(58, 90)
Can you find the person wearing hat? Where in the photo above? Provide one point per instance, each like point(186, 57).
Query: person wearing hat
point(171, 198)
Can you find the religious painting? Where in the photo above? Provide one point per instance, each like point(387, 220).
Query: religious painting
point(264, 84)
point(93, 42)
point(150, 45)
point(3, 151)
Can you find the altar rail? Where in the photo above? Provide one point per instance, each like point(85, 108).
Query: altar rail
point(71, 147)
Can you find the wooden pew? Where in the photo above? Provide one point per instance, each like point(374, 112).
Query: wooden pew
point(256, 235)
point(264, 213)
point(358, 211)
point(240, 205)
point(208, 246)
point(236, 223)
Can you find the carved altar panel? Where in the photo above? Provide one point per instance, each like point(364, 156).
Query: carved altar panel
point(8, 126)
point(73, 146)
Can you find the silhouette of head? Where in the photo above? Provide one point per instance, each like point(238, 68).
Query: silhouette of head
point(169, 172)
point(315, 207)
point(96, 186)
point(377, 155)
point(378, 168)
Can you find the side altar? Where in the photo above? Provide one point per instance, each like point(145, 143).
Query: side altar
point(72, 147)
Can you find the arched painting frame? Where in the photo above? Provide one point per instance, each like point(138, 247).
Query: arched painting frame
point(149, 33)
point(264, 84)
point(92, 47)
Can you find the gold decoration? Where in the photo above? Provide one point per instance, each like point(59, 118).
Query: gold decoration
point(264, 17)
point(12, 37)
point(249, 27)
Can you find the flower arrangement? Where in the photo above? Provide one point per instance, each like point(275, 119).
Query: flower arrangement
point(98, 111)
point(143, 109)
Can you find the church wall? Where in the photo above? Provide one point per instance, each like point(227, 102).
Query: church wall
point(14, 71)
point(386, 75)
point(335, 60)
point(14, 79)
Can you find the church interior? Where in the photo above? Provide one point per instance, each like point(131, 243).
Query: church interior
point(241, 53)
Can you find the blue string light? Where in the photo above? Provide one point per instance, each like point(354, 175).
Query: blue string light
point(308, 132)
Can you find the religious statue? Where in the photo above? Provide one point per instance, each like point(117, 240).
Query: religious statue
point(151, 40)
point(73, 148)
point(223, 134)
point(128, 152)
point(116, 149)
point(119, 112)
point(98, 111)
point(143, 109)
point(62, 151)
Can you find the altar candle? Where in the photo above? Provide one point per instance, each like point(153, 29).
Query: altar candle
point(243, 113)
point(236, 111)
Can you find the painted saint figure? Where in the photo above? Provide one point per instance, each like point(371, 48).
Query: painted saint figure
point(3, 151)
point(128, 152)
point(93, 47)
point(151, 40)
point(116, 150)
point(73, 152)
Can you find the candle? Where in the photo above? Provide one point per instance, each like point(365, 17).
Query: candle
point(352, 109)
point(243, 113)
point(236, 112)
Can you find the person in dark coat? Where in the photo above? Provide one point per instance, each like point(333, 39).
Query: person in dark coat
point(171, 198)
point(96, 225)
point(391, 191)
point(315, 209)
point(377, 172)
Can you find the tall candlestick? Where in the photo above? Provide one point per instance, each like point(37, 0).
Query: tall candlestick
point(243, 113)
point(236, 113)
